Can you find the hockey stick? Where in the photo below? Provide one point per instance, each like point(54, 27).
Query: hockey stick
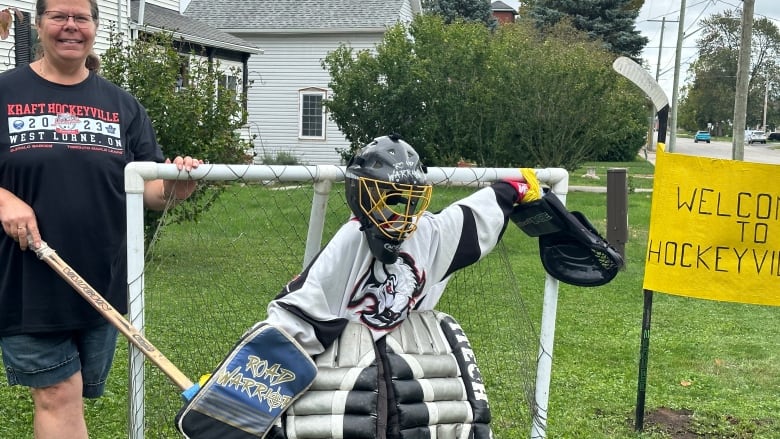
point(642, 79)
point(48, 255)
point(230, 411)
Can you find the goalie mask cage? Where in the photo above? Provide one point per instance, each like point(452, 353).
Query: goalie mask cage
point(265, 223)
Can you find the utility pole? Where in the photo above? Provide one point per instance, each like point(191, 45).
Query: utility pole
point(660, 46)
point(677, 56)
point(766, 101)
point(743, 72)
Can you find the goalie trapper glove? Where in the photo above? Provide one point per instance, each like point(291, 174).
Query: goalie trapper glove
point(570, 248)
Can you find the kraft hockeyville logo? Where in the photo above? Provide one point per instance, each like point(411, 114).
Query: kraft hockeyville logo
point(42, 109)
point(66, 123)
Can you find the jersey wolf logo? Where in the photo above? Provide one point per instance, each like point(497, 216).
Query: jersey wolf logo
point(387, 293)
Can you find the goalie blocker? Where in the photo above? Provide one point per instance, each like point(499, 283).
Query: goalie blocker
point(261, 377)
point(571, 249)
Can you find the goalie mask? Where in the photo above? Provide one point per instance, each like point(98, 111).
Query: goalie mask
point(386, 190)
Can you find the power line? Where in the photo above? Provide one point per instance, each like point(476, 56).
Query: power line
point(676, 11)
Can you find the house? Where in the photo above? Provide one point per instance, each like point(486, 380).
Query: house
point(278, 46)
point(195, 37)
point(288, 82)
point(503, 12)
point(122, 16)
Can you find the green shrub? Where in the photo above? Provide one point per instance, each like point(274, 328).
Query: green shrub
point(192, 112)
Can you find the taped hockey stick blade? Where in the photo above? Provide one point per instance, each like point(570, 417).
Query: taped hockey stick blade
point(642, 79)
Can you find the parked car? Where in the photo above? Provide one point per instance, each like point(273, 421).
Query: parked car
point(775, 137)
point(702, 136)
point(755, 137)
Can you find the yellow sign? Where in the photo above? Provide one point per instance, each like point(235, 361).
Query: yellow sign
point(714, 229)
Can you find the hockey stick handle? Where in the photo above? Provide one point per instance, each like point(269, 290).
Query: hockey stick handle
point(133, 335)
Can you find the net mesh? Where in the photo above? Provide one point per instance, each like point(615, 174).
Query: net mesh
point(207, 282)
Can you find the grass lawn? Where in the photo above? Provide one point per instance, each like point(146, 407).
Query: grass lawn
point(714, 367)
point(639, 174)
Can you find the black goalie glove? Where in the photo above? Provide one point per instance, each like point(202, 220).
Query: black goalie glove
point(571, 249)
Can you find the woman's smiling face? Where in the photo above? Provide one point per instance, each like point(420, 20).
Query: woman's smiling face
point(67, 30)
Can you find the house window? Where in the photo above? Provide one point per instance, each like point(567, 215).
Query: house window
point(229, 83)
point(182, 79)
point(311, 114)
point(229, 87)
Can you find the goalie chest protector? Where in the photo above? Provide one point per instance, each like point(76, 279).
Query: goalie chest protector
point(420, 381)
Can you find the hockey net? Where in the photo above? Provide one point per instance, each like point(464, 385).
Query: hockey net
point(200, 284)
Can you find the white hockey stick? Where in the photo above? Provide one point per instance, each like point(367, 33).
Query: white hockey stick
point(642, 79)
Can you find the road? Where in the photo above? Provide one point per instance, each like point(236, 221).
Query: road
point(758, 153)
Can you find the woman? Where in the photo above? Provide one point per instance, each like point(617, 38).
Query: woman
point(68, 136)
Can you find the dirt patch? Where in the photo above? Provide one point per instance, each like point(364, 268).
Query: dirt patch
point(676, 423)
point(679, 424)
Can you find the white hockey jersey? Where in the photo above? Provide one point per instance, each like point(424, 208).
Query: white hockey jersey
point(346, 283)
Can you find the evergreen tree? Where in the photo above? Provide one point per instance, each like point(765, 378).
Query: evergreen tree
point(466, 10)
point(611, 21)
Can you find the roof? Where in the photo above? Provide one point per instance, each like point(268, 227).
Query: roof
point(157, 18)
point(289, 16)
point(499, 6)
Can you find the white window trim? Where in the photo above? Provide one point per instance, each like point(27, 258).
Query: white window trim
point(307, 92)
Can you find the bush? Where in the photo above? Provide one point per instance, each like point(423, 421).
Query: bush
point(280, 158)
point(200, 119)
point(513, 97)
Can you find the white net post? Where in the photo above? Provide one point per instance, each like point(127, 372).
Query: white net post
point(323, 178)
point(547, 335)
point(134, 188)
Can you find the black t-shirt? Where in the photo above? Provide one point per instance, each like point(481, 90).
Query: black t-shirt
point(63, 150)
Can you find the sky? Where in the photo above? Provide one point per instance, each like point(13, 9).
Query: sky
point(649, 23)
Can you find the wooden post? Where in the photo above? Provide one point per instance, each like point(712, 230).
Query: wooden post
point(617, 209)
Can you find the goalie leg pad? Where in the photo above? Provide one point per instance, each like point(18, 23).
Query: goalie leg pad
point(343, 401)
point(437, 385)
point(261, 377)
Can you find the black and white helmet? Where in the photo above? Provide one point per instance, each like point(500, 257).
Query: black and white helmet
point(386, 190)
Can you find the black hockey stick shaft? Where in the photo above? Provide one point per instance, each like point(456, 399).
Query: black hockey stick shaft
point(644, 353)
point(642, 79)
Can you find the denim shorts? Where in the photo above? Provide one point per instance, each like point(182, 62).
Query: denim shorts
point(42, 360)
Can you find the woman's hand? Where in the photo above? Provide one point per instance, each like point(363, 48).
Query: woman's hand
point(158, 193)
point(18, 220)
point(181, 189)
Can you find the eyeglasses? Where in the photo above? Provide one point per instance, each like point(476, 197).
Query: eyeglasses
point(61, 19)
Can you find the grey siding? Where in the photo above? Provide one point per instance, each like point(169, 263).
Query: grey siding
point(289, 64)
point(168, 4)
point(295, 36)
